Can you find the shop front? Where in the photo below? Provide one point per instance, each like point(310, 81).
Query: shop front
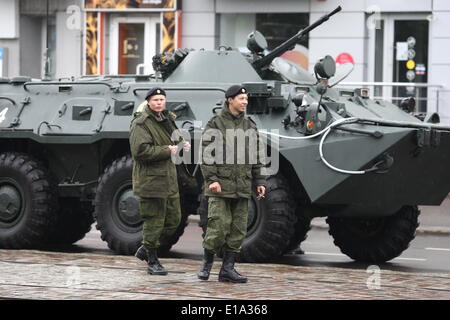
point(399, 47)
point(122, 36)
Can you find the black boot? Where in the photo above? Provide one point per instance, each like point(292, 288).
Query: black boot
point(141, 254)
point(154, 266)
point(227, 272)
point(207, 263)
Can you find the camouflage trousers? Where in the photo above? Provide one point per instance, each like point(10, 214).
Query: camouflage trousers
point(227, 224)
point(161, 217)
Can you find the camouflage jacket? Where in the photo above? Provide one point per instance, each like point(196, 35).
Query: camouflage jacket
point(235, 176)
point(154, 173)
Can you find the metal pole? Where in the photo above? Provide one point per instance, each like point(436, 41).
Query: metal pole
point(47, 14)
point(418, 106)
point(437, 100)
point(47, 58)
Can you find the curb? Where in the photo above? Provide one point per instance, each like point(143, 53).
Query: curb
point(319, 223)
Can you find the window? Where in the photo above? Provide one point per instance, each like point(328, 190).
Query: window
point(49, 35)
point(276, 28)
point(279, 27)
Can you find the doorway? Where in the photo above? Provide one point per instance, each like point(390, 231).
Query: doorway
point(134, 41)
point(399, 46)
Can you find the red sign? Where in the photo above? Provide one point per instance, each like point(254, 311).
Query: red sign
point(344, 57)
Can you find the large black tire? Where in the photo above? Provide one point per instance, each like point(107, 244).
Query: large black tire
point(28, 202)
point(271, 228)
point(301, 228)
point(375, 240)
point(117, 210)
point(74, 222)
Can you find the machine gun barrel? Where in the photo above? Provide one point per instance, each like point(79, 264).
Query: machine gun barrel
point(290, 44)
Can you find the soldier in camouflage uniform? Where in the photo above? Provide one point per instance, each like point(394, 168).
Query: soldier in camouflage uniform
point(155, 176)
point(228, 186)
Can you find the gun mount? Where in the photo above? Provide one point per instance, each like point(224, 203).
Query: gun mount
point(263, 62)
point(167, 62)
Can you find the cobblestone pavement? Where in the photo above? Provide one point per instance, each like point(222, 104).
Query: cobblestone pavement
point(28, 274)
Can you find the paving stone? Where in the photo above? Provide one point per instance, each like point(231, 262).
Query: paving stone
point(29, 274)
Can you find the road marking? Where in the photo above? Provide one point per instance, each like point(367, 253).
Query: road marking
point(343, 255)
point(325, 254)
point(437, 249)
point(410, 259)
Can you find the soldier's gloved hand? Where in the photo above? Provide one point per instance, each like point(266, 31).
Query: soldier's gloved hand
point(215, 187)
point(173, 149)
point(261, 192)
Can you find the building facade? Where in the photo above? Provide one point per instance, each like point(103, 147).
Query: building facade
point(387, 41)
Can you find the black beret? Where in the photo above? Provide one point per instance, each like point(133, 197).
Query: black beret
point(154, 92)
point(233, 91)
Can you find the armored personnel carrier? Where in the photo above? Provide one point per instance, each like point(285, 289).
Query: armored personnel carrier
point(365, 165)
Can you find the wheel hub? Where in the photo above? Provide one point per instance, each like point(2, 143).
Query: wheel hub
point(128, 208)
point(10, 203)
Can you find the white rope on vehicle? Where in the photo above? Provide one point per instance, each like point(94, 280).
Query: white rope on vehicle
point(328, 164)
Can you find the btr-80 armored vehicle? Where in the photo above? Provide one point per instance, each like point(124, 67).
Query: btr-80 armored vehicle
point(366, 165)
